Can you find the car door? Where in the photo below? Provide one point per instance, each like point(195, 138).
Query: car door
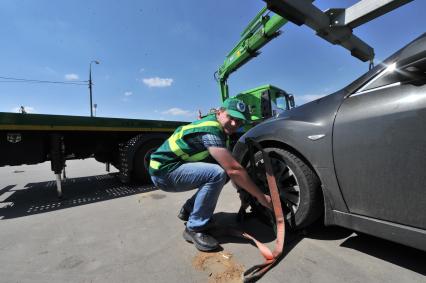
point(379, 146)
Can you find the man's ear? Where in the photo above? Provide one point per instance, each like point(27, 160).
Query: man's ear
point(218, 112)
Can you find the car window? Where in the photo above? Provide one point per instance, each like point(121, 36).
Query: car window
point(412, 73)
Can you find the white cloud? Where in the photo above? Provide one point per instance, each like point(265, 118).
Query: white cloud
point(71, 77)
point(141, 70)
point(157, 82)
point(128, 93)
point(28, 109)
point(178, 112)
point(302, 99)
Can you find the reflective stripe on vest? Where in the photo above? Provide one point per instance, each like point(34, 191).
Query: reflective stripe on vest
point(174, 147)
point(154, 164)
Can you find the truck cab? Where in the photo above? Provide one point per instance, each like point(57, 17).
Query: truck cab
point(266, 101)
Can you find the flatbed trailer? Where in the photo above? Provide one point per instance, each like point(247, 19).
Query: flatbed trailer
point(124, 143)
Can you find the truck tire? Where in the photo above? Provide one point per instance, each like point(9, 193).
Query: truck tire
point(299, 187)
point(141, 161)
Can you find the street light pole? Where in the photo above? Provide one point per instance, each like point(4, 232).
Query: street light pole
point(90, 85)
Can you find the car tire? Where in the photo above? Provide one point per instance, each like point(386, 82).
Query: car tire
point(141, 160)
point(299, 187)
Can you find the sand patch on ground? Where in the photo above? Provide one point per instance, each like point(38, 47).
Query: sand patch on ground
point(220, 267)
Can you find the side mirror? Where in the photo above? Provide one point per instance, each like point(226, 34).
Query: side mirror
point(291, 100)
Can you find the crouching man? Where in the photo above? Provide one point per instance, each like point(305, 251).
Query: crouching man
point(180, 164)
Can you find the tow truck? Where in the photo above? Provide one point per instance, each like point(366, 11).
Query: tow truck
point(334, 25)
point(263, 101)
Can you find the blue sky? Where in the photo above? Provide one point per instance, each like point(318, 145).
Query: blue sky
point(157, 58)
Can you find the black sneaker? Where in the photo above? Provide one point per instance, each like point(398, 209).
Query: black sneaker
point(183, 214)
point(202, 241)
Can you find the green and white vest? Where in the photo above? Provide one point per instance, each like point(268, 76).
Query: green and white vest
point(175, 150)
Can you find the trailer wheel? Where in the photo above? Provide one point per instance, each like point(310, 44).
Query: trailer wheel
point(141, 161)
point(299, 188)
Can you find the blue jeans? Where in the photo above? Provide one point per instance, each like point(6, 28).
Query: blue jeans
point(208, 178)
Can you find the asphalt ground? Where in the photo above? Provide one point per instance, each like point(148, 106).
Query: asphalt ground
point(103, 231)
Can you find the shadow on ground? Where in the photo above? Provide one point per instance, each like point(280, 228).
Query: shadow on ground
point(227, 222)
point(406, 257)
point(403, 256)
point(41, 197)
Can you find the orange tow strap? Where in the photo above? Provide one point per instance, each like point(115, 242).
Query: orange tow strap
point(259, 270)
point(255, 272)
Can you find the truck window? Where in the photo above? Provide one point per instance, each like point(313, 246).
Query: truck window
point(278, 106)
point(412, 73)
point(281, 103)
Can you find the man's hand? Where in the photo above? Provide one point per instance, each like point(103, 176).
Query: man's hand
point(239, 175)
point(266, 201)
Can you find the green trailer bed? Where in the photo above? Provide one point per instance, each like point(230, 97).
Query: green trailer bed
point(124, 143)
point(42, 122)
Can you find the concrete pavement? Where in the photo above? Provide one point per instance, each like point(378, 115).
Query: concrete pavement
point(103, 231)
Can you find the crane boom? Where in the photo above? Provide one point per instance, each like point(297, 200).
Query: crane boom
point(260, 31)
point(333, 25)
point(336, 25)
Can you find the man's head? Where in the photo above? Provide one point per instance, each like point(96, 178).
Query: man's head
point(232, 115)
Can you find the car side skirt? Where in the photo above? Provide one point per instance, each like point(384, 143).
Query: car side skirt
point(406, 235)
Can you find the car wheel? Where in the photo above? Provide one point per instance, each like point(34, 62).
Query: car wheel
point(141, 161)
point(298, 185)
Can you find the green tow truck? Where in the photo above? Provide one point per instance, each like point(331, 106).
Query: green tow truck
point(127, 143)
point(267, 100)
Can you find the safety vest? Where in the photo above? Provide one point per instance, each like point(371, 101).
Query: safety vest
point(175, 150)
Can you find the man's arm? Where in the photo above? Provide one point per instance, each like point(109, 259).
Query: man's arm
point(238, 174)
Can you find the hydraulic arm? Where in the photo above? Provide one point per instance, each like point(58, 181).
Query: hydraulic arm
point(336, 25)
point(260, 31)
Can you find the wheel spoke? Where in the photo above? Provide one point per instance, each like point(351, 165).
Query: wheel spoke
point(287, 175)
point(291, 189)
point(291, 198)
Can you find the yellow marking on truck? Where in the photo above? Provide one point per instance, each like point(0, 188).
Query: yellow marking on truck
point(81, 128)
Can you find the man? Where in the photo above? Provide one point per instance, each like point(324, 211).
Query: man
point(179, 164)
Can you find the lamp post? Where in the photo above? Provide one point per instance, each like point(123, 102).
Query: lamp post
point(90, 85)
